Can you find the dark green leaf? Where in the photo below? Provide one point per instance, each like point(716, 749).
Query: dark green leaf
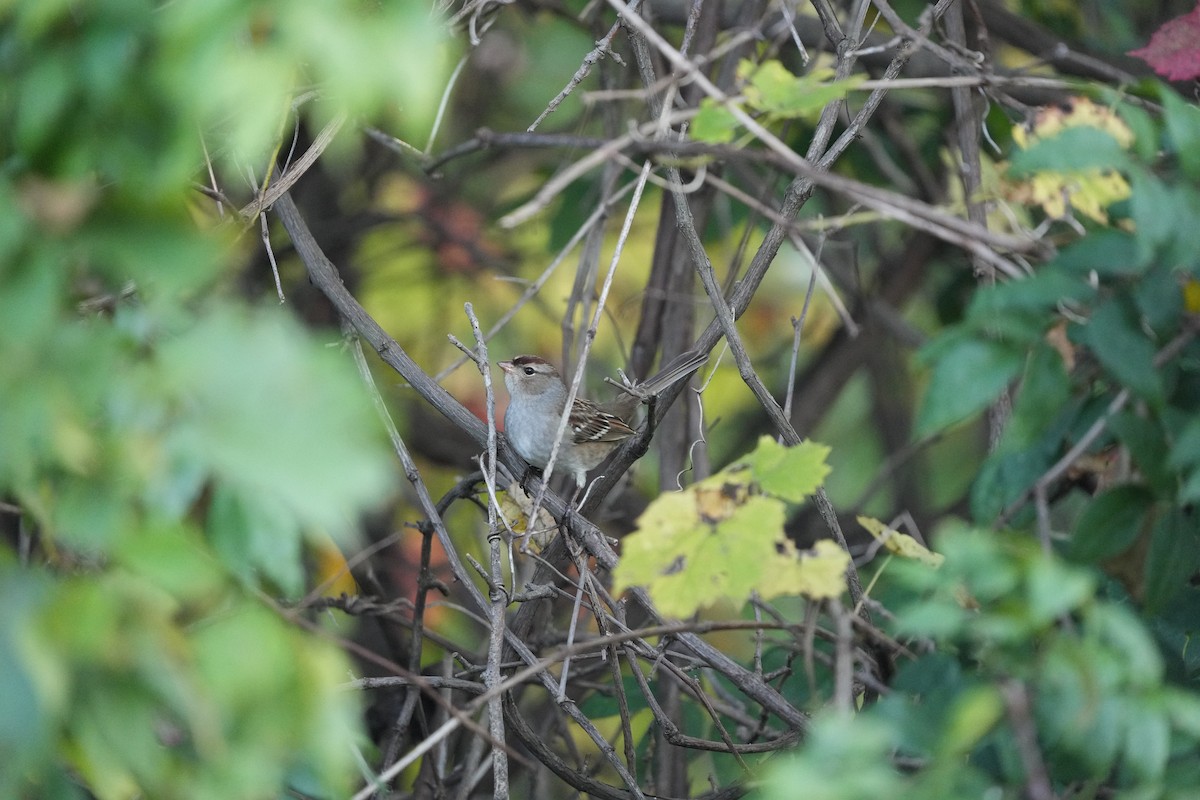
point(1159, 300)
point(1183, 128)
point(1185, 450)
point(1045, 290)
point(1147, 445)
point(1143, 126)
point(1043, 393)
point(1110, 524)
point(1174, 555)
point(1157, 213)
point(1190, 491)
point(1115, 337)
point(1106, 252)
point(966, 378)
point(1002, 479)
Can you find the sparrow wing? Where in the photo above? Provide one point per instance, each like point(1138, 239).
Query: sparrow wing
point(589, 423)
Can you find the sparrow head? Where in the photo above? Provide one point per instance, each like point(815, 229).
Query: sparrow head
point(530, 375)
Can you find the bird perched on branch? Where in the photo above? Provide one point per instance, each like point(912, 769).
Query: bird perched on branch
point(537, 399)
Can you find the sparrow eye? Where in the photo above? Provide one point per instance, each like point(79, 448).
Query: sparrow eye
point(529, 370)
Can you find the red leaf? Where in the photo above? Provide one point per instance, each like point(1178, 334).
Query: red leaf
point(1174, 49)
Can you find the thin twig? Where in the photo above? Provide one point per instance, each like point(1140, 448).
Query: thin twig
point(499, 598)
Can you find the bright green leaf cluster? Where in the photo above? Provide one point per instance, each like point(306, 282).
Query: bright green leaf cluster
point(723, 538)
point(774, 93)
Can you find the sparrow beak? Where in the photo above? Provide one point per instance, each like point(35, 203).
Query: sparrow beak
point(507, 366)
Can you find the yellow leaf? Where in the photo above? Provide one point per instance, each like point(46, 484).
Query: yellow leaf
point(516, 505)
point(901, 543)
point(819, 573)
point(1053, 120)
point(1094, 191)
point(330, 569)
point(718, 500)
point(1191, 296)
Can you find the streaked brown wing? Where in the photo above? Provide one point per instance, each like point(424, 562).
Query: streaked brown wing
point(589, 424)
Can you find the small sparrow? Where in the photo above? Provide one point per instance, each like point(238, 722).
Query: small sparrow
point(537, 398)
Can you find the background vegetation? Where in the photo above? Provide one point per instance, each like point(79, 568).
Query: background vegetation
point(256, 538)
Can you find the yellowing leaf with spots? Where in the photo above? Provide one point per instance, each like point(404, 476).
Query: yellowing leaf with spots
point(819, 573)
point(1053, 120)
point(722, 539)
point(1080, 149)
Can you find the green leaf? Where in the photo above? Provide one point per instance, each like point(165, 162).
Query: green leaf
point(1185, 450)
point(1141, 124)
point(1158, 212)
point(1190, 491)
point(719, 540)
point(176, 561)
point(660, 539)
point(1184, 708)
point(1075, 149)
point(1147, 444)
point(837, 740)
point(1109, 252)
point(713, 123)
point(256, 538)
point(276, 419)
point(1147, 743)
point(966, 378)
point(818, 573)
point(43, 99)
point(1120, 630)
point(1114, 336)
point(775, 91)
point(1173, 557)
point(790, 473)
point(975, 712)
point(1111, 523)
point(1045, 290)
point(1183, 128)
point(33, 688)
point(1055, 589)
point(1041, 400)
point(1004, 477)
point(1159, 300)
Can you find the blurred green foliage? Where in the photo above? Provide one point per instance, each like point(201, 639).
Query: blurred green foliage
point(1003, 624)
point(169, 447)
